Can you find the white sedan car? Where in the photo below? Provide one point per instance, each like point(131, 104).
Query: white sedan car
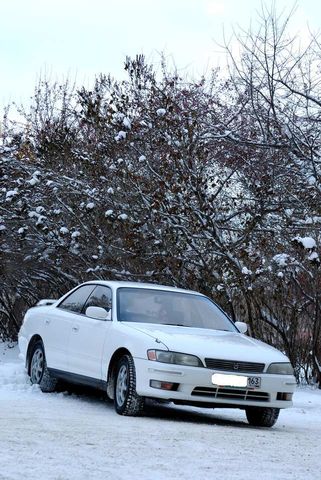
point(138, 341)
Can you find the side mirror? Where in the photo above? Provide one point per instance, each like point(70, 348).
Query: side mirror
point(241, 326)
point(98, 312)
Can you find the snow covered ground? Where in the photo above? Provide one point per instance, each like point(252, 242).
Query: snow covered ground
point(64, 436)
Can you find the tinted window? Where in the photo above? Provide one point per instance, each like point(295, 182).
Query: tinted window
point(100, 297)
point(170, 308)
point(76, 300)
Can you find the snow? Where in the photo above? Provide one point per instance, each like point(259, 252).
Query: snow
point(307, 242)
point(161, 112)
point(40, 218)
point(77, 435)
point(281, 259)
point(127, 123)
point(123, 216)
point(109, 213)
point(34, 180)
point(121, 136)
point(11, 193)
point(312, 180)
point(64, 230)
point(246, 271)
point(90, 205)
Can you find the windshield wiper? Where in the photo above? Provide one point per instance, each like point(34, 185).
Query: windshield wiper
point(176, 325)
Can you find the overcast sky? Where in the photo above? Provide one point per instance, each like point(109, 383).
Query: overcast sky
point(80, 38)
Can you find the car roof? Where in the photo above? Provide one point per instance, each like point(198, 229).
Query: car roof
point(115, 284)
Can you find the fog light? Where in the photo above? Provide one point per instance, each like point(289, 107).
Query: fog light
point(284, 396)
point(163, 385)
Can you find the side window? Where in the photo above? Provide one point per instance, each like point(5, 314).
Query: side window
point(76, 300)
point(100, 297)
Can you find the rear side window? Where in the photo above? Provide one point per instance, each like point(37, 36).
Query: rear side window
point(100, 297)
point(76, 300)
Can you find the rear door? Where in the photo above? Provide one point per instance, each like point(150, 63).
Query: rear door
point(57, 327)
point(88, 336)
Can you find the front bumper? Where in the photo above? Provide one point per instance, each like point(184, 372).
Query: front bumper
point(189, 378)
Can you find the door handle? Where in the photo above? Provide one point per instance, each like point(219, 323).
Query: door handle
point(75, 329)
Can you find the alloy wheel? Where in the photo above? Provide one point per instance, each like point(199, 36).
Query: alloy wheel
point(37, 366)
point(122, 385)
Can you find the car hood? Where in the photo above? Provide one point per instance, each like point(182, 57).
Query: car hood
point(206, 343)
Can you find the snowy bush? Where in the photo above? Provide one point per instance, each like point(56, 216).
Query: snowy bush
point(221, 201)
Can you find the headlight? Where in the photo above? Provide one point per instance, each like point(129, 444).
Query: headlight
point(174, 357)
point(280, 369)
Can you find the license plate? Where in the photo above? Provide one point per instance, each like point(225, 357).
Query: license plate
point(254, 382)
point(223, 380)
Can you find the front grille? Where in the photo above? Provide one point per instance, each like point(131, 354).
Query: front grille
point(234, 365)
point(231, 394)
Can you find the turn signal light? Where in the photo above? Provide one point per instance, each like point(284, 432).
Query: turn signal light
point(163, 385)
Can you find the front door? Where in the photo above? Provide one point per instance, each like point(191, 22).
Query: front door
point(88, 336)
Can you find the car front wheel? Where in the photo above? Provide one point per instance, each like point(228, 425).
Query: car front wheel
point(262, 417)
point(39, 374)
point(127, 401)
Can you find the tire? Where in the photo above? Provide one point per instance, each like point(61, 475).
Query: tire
point(39, 374)
point(126, 400)
point(261, 416)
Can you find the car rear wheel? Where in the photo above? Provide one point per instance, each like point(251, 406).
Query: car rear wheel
point(127, 401)
point(262, 417)
point(39, 374)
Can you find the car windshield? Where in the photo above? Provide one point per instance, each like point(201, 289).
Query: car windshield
point(163, 307)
